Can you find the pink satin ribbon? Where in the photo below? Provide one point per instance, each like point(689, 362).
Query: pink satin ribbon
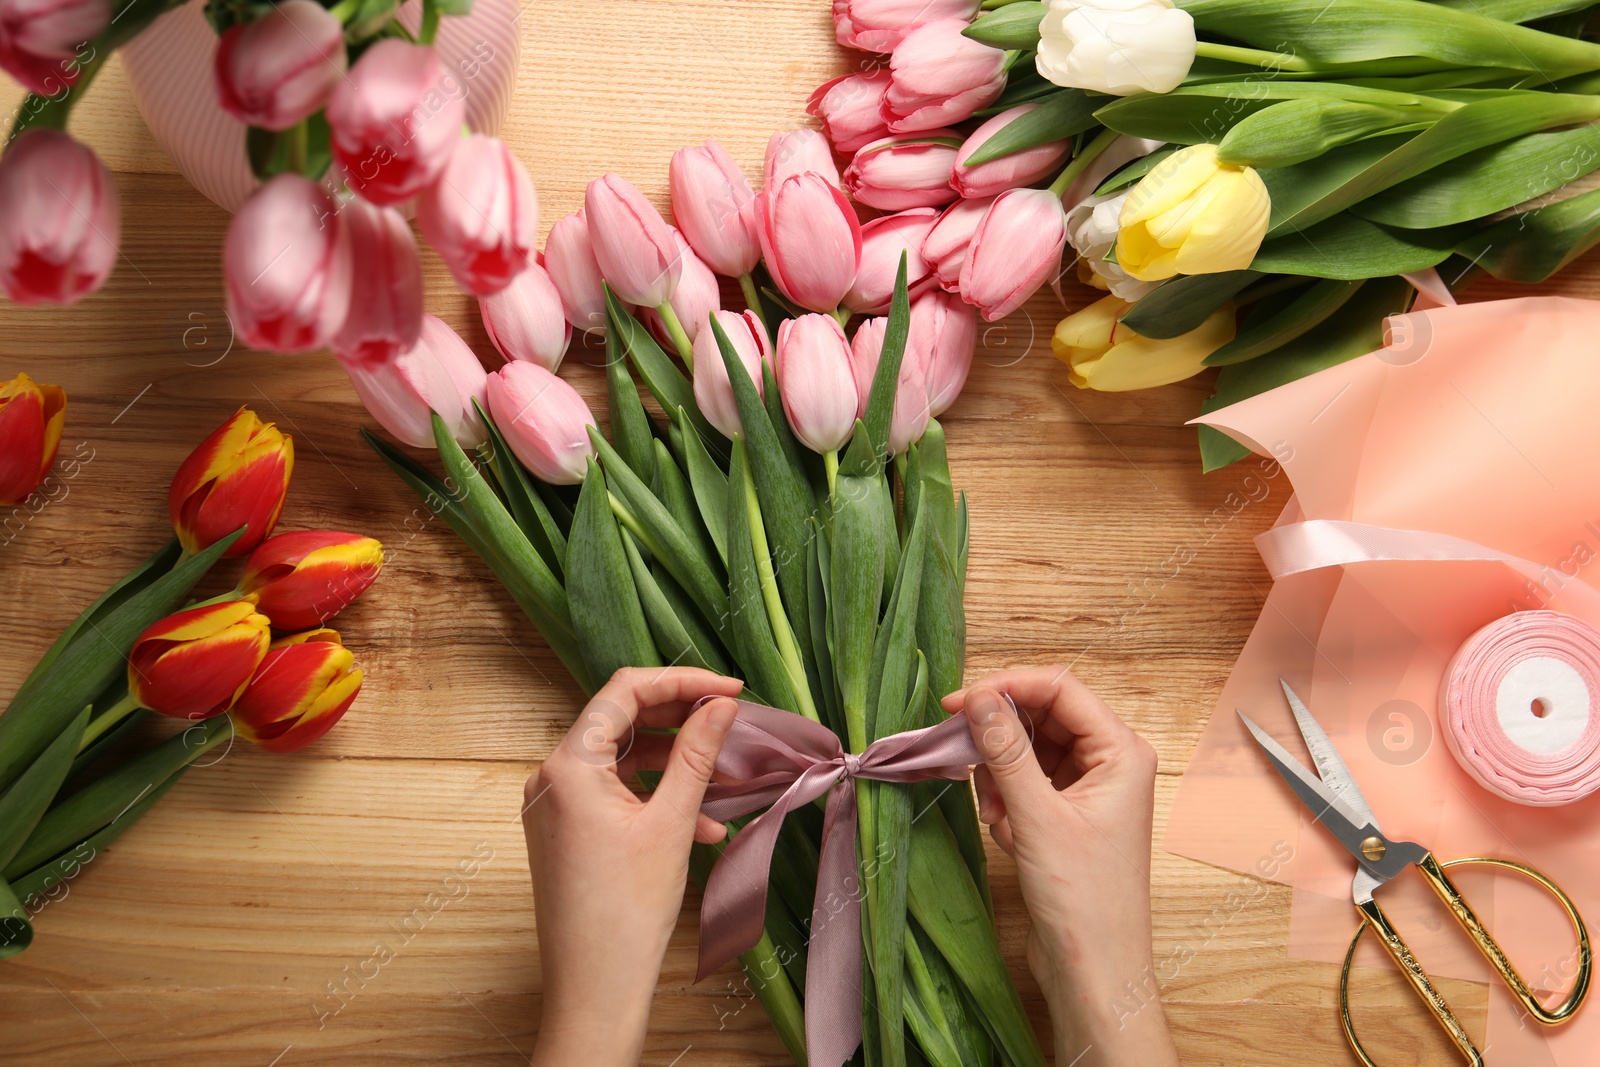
point(1316, 543)
point(785, 760)
point(1518, 707)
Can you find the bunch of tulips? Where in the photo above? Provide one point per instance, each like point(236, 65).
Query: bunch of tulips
point(351, 114)
point(257, 662)
point(783, 521)
point(1255, 184)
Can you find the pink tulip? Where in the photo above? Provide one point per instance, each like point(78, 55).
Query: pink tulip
point(697, 296)
point(878, 25)
point(403, 393)
point(817, 381)
point(911, 411)
point(865, 348)
point(945, 248)
point(903, 172)
point(467, 377)
point(482, 215)
point(911, 408)
point(883, 241)
point(715, 209)
point(288, 267)
point(940, 77)
point(632, 242)
point(944, 335)
point(1015, 249)
point(525, 320)
point(798, 152)
point(395, 119)
point(569, 257)
point(282, 67)
point(385, 316)
point(713, 393)
point(44, 44)
point(1007, 172)
point(544, 420)
point(810, 239)
point(851, 109)
point(59, 219)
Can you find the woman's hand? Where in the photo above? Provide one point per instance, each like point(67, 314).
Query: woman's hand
point(609, 867)
point(1068, 790)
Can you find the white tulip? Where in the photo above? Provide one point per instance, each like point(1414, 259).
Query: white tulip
point(1116, 46)
point(1092, 232)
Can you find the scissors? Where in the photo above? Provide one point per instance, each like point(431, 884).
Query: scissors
point(1336, 802)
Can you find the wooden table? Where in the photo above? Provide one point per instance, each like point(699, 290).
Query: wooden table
point(237, 924)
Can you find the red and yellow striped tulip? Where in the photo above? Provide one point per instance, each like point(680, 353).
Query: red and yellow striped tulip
point(304, 685)
point(237, 477)
point(301, 580)
point(31, 416)
point(194, 664)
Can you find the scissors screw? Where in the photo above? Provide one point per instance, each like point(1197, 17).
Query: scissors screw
point(1374, 848)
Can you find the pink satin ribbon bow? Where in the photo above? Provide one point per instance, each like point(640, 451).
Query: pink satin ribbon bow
point(785, 760)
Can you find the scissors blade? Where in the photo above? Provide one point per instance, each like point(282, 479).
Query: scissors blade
point(1325, 806)
point(1330, 765)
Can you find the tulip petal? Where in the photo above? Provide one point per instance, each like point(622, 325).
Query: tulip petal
point(1169, 183)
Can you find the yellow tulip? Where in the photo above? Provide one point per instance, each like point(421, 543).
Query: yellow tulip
point(1103, 354)
point(1192, 215)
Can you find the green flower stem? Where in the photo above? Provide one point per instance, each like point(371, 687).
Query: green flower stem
point(782, 635)
point(299, 147)
point(107, 719)
point(221, 598)
point(680, 339)
point(840, 313)
point(1251, 57)
point(752, 298)
point(430, 22)
point(345, 10)
point(1081, 161)
point(830, 464)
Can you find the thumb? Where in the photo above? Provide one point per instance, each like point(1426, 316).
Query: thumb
point(693, 759)
point(1007, 751)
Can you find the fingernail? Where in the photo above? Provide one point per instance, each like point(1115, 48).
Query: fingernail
point(721, 716)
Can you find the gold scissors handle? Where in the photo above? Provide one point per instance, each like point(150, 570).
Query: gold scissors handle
point(1434, 872)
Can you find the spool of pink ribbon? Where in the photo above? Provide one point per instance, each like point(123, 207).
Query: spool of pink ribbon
point(1518, 704)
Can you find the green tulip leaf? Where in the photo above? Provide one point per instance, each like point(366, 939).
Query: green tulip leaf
point(605, 602)
point(1516, 10)
point(1064, 114)
point(523, 499)
point(868, 452)
point(82, 669)
point(1531, 246)
point(710, 485)
point(631, 432)
point(659, 373)
point(24, 804)
point(1352, 31)
point(1277, 326)
point(1348, 247)
point(1014, 26)
point(1133, 171)
point(1183, 303)
point(1293, 131)
point(1487, 181)
point(1177, 117)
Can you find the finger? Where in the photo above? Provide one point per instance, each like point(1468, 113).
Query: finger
point(1007, 751)
point(991, 806)
point(1067, 709)
point(693, 759)
point(709, 831)
point(1001, 832)
point(618, 703)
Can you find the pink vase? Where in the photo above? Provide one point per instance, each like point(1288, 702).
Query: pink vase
point(169, 70)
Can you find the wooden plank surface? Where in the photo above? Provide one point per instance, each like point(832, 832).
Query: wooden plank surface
point(240, 922)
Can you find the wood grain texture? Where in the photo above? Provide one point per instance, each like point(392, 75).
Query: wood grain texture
point(241, 922)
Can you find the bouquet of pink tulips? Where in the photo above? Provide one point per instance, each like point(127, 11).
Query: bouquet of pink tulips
point(351, 113)
point(783, 512)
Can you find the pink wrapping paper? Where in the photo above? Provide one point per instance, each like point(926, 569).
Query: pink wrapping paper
point(1479, 422)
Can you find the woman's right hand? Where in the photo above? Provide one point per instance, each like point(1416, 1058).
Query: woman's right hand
point(1068, 790)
